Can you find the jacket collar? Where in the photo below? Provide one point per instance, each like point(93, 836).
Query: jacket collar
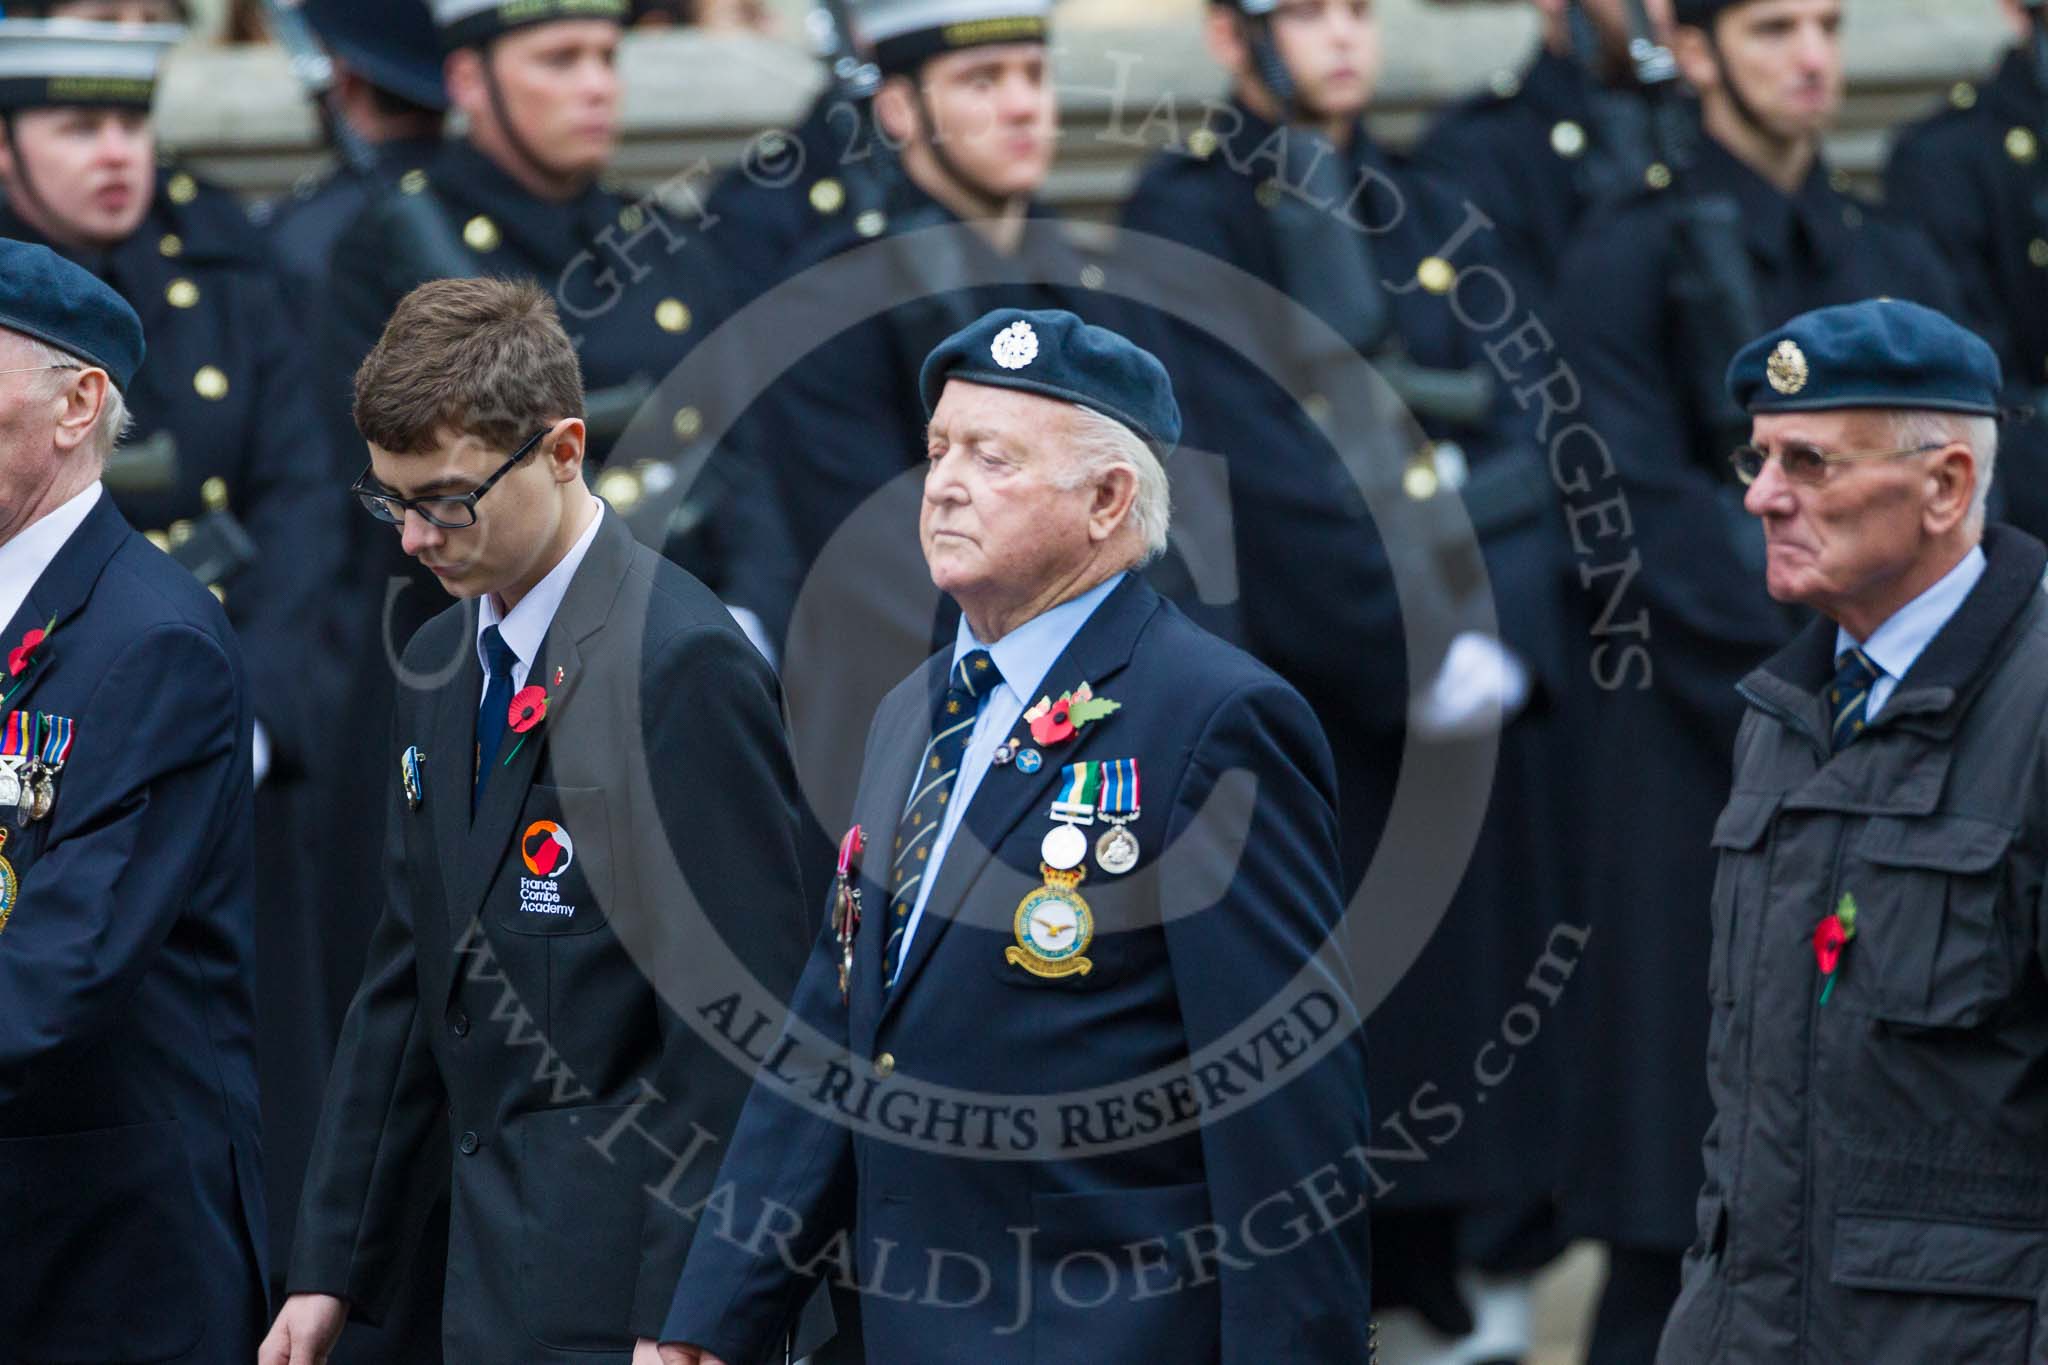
point(59, 594)
point(1809, 224)
point(2012, 93)
point(1557, 87)
point(540, 229)
point(1933, 695)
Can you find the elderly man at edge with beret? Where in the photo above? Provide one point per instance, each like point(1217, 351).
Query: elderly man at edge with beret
point(1877, 1169)
point(130, 1176)
point(1051, 922)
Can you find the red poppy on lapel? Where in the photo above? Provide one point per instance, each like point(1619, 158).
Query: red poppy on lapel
point(529, 708)
point(18, 657)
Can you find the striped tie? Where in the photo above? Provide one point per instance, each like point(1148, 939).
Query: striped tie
point(1849, 697)
point(938, 770)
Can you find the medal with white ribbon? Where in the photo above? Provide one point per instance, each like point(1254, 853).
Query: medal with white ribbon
point(15, 755)
point(1117, 850)
point(1065, 847)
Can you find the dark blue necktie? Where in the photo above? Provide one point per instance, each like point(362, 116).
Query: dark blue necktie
point(494, 715)
point(1849, 697)
point(938, 772)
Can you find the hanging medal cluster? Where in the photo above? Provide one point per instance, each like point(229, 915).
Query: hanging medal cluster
point(1054, 924)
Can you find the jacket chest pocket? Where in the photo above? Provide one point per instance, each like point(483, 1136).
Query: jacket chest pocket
point(559, 872)
point(1931, 950)
point(1741, 875)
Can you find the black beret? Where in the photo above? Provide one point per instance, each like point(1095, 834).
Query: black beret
point(392, 44)
point(1055, 354)
point(1881, 353)
point(44, 296)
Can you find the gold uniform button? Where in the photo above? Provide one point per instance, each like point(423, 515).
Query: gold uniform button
point(1568, 139)
point(182, 293)
point(871, 223)
point(1202, 143)
point(828, 196)
point(171, 245)
point(632, 218)
point(2037, 252)
point(214, 493)
point(672, 315)
point(158, 539)
point(2022, 146)
point(1963, 95)
point(619, 488)
point(412, 182)
point(1506, 84)
point(179, 532)
point(885, 1065)
point(688, 423)
point(1268, 193)
point(1092, 277)
point(1840, 180)
point(1658, 177)
point(1436, 275)
point(182, 188)
point(210, 383)
point(1420, 480)
point(481, 234)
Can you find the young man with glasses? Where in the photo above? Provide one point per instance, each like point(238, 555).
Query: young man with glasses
point(1876, 1186)
point(590, 839)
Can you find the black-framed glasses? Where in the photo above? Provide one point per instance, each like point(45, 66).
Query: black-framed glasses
point(449, 511)
point(1809, 464)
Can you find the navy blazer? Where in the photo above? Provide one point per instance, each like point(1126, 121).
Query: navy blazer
point(535, 970)
point(979, 1232)
point(129, 1166)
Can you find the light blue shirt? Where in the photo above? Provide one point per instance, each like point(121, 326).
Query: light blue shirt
point(1024, 657)
point(1895, 645)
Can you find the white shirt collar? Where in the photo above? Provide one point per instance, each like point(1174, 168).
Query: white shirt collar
point(24, 559)
point(526, 625)
point(1897, 644)
point(1027, 654)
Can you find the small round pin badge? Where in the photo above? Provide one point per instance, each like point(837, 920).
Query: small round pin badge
point(1028, 760)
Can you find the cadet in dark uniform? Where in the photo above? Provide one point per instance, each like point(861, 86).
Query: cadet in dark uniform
point(1877, 1171)
point(129, 1143)
point(1546, 144)
point(1975, 177)
point(1677, 614)
point(1318, 583)
point(388, 90)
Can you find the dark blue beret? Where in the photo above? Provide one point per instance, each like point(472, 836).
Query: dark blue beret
point(1056, 354)
point(1881, 353)
point(47, 297)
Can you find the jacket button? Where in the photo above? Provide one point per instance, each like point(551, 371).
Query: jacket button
point(458, 1023)
point(885, 1065)
point(469, 1144)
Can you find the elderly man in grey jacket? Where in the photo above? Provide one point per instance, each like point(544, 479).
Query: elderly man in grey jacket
point(1877, 1171)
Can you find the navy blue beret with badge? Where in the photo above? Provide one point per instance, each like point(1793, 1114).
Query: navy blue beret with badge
point(1054, 353)
point(44, 296)
point(1881, 353)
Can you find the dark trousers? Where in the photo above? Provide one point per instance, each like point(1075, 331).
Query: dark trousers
point(1641, 1287)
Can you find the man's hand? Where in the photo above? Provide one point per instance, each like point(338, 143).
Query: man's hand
point(305, 1331)
point(676, 1353)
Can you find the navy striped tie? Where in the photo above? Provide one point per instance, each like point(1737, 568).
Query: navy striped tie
point(938, 772)
point(1849, 697)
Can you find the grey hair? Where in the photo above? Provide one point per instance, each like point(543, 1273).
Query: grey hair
point(1980, 434)
point(1099, 443)
point(114, 417)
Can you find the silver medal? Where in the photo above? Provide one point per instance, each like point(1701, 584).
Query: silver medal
point(1117, 851)
point(1064, 848)
point(10, 782)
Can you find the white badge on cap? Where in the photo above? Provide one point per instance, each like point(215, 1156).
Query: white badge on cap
point(1015, 346)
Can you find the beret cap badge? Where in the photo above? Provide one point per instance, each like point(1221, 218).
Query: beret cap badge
point(1786, 369)
point(1015, 346)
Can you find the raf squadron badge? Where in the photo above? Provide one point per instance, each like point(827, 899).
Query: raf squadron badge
point(846, 903)
point(10, 886)
point(1054, 927)
point(1786, 369)
point(411, 777)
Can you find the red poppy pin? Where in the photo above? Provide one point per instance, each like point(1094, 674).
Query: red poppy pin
point(18, 658)
point(1056, 722)
point(529, 708)
point(1831, 939)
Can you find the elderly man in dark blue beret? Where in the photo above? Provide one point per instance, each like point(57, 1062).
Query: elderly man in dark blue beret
point(1877, 1169)
point(1073, 1072)
point(128, 1118)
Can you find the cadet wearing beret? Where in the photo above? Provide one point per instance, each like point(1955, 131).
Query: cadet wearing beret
point(1672, 618)
point(1877, 1169)
point(128, 1112)
point(1975, 177)
point(1545, 145)
point(1042, 931)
